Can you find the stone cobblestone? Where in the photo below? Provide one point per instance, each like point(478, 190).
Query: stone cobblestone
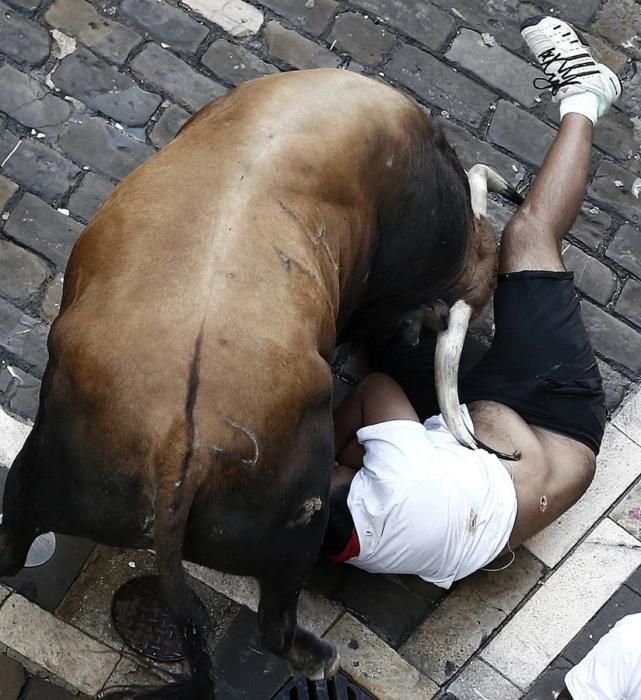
point(81, 20)
point(238, 18)
point(520, 132)
point(168, 73)
point(625, 249)
point(446, 89)
point(311, 17)
point(168, 125)
point(294, 49)
point(22, 40)
point(591, 276)
point(235, 64)
point(361, 38)
point(43, 229)
point(612, 186)
point(132, 72)
point(102, 88)
point(94, 142)
point(619, 23)
point(420, 20)
point(41, 169)
point(29, 102)
point(165, 23)
point(7, 190)
point(93, 190)
point(629, 303)
point(499, 68)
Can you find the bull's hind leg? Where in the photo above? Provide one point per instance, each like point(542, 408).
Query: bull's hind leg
point(19, 527)
point(313, 657)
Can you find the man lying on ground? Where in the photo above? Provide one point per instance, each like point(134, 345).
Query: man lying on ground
point(405, 496)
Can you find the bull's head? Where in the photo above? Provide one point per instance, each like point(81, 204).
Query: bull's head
point(476, 287)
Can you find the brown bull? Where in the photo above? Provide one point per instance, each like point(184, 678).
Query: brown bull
point(186, 405)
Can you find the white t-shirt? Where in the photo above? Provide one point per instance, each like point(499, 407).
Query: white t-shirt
point(612, 670)
point(424, 504)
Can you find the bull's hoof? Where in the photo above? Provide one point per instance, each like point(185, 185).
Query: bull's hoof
point(328, 668)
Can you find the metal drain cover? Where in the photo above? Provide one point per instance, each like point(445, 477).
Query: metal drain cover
point(143, 620)
point(341, 687)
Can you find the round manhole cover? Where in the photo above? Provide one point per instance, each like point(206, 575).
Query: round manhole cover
point(143, 620)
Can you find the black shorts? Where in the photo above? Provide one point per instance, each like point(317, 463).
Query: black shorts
point(541, 361)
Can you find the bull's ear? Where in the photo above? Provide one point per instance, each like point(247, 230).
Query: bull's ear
point(410, 325)
point(434, 316)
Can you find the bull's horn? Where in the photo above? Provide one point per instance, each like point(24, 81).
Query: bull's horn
point(482, 179)
point(449, 345)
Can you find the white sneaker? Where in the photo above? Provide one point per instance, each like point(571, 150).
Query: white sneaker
point(567, 62)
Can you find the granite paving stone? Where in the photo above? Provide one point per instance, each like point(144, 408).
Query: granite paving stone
point(29, 5)
point(520, 133)
point(619, 23)
point(361, 38)
point(26, 100)
point(591, 277)
point(502, 21)
point(168, 125)
point(22, 40)
point(580, 12)
point(23, 336)
point(238, 18)
point(101, 87)
point(14, 433)
point(628, 419)
point(634, 581)
point(7, 190)
point(440, 85)
point(442, 644)
point(235, 64)
point(591, 227)
point(616, 385)
point(384, 606)
point(630, 100)
point(612, 186)
point(629, 302)
point(21, 272)
point(421, 20)
point(170, 74)
point(311, 17)
point(165, 23)
point(92, 141)
point(625, 249)
point(43, 229)
point(558, 610)
point(55, 647)
point(53, 296)
point(627, 513)
point(294, 49)
point(81, 20)
point(8, 143)
point(40, 689)
point(41, 170)
point(499, 68)
point(480, 681)
point(19, 392)
point(374, 665)
point(86, 200)
point(130, 671)
point(623, 602)
point(12, 678)
point(551, 682)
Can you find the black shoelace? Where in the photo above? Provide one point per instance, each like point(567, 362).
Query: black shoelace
point(566, 73)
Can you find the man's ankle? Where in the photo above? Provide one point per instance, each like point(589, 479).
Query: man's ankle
point(585, 103)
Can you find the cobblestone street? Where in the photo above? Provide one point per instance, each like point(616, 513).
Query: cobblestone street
point(91, 89)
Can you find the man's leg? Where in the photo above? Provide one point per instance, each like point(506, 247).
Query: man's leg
point(532, 238)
